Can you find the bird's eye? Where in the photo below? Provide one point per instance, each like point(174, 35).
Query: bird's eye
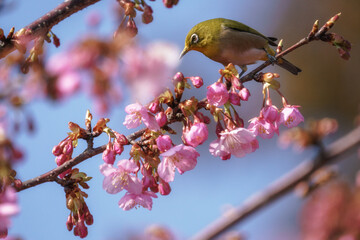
point(194, 38)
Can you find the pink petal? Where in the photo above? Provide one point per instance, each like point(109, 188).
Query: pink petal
point(166, 170)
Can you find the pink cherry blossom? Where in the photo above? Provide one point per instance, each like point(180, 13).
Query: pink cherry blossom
point(260, 127)
point(217, 94)
point(117, 179)
point(164, 188)
point(137, 114)
point(290, 116)
point(68, 83)
point(234, 98)
point(218, 150)
point(197, 81)
point(161, 118)
point(244, 94)
point(109, 154)
point(164, 143)
point(137, 196)
point(270, 113)
point(182, 157)
point(196, 135)
point(8, 208)
point(237, 142)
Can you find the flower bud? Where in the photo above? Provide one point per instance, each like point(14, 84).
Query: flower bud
point(57, 150)
point(164, 188)
point(131, 28)
point(154, 107)
point(147, 16)
point(244, 94)
point(234, 98)
point(164, 143)
point(161, 118)
point(69, 224)
point(178, 77)
point(197, 81)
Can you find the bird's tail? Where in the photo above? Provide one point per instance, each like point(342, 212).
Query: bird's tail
point(288, 66)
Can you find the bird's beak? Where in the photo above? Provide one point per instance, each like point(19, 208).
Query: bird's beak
point(184, 51)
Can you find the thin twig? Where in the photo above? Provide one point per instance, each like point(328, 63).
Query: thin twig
point(318, 35)
point(280, 187)
point(51, 176)
point(43, 25)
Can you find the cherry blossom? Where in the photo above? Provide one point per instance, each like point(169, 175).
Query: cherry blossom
point(217, 94)
point(237, 142)
point(290, 116)
point(117, 179)
point(181, 157)
point(136, 196)
point(137, 114)
point(196, 135)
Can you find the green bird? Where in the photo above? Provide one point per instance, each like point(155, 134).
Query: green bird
point(228, 41)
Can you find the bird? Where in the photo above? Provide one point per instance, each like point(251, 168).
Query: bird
point(228, 41)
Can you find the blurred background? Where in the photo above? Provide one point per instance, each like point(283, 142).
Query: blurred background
point(328, 86)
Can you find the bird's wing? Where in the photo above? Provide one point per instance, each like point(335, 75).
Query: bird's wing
point(237, 26)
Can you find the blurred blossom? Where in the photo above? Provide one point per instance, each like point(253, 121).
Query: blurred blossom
point(150, 69)
point(332, 212)
point(157, 232)
point(93, 19)
point(8, 208)
point(67, 84)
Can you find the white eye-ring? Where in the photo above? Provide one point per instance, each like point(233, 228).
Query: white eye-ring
point(194, 38)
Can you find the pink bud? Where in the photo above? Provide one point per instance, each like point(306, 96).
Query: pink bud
point(244, 94)
point(164, 188)
point(89, 219)
point(197, 81)
point(69, 224)
point(118, 148)
point(178, 77)
point(68, 148)
point(164, 143)
point(57, 150)
point(161, 119)
point(234, 98)
point(270, 113)
point(217, 94)
point(196, 135)
point(154, 107)
point(109, 154)
point(61, 159)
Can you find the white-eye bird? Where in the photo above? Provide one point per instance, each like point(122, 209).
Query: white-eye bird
point(228, 41)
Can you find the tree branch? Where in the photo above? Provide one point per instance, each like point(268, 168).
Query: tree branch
point(280, 187)
point(314, 34)
point(43, 25)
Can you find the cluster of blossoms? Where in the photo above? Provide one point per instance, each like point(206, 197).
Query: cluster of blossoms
point(154, 158)
point(233, 137)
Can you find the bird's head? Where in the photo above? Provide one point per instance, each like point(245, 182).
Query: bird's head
point(201, 37)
